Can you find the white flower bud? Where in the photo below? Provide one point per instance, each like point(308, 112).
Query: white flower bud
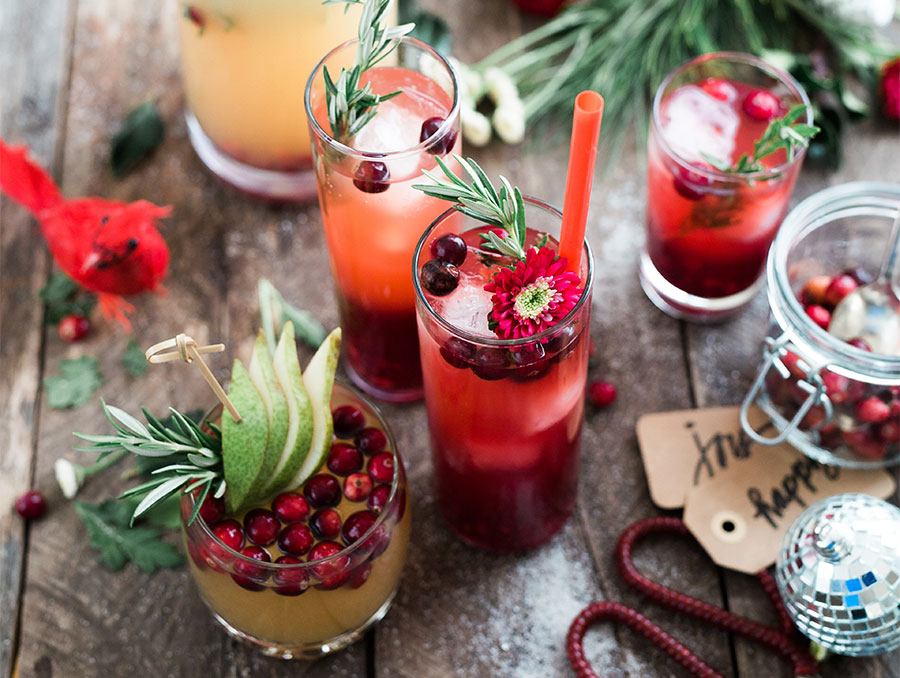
point(500, 87)
point(509, 121)
point(471, 87)
point(476, 128)
point(870, 12)
point(68, 476)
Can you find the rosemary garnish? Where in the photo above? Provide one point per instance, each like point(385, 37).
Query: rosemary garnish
point(480, 200)
point(198, 454)
point(782, 133)
point(350, 107)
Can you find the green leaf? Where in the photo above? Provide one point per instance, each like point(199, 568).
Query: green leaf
point(133, 359)
point(61, 296)
point(165, 515)
point(139, 135)
point(107, 524)
point(75, 385)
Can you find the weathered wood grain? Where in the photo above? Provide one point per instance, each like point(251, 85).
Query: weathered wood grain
point(34, 52)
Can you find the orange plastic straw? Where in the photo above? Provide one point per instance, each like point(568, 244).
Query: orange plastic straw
point(580, 175)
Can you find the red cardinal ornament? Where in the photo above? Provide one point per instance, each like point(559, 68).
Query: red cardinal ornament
point(111, 248)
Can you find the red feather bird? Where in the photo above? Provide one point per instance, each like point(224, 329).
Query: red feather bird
point(111, 248)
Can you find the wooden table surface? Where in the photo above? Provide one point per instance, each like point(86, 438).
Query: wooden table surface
point(70, 71)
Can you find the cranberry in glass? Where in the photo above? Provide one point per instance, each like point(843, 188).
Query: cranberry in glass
point(439, 145)
point(357, 486)
point(372, 176)
point(450, 247)
point(326, 524)
point(381, 467)
point(323, 490)
point(357, 525)
point(761, 105)
point(290, 507)
point(296, 539)
point(344, 459)
point(261, 526)
point(249, 575)
point(379, 497)
point(347, 421)
point(490, 363)
point(370, 441)
point(439, 277)
point(458, 353)
point(291, 581)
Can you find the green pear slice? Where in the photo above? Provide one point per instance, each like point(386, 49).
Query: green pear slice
point(262, 374)
point(300, 412)
point(243, 442)
point(319, 381)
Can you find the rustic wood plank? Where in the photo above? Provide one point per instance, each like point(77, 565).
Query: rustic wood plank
point(724, 361)
point(34, 54)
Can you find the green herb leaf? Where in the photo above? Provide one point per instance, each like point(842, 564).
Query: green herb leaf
point(108, 527)
point(139, 135)
point(165, 515)
point(61, 297)
point(75, 385)
point(133, 360)
point(275, 311)
point(783, 133)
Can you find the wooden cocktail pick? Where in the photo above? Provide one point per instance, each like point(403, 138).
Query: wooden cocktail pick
point(188, 350)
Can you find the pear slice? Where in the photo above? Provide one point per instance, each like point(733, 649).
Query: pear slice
point(263, 377)
point(319, 381)
point(300, 412)
point(243, 442)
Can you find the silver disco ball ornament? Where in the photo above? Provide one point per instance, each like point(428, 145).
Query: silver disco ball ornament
point(838, 572)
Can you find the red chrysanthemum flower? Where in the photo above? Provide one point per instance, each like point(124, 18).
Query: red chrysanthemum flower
point(535, 295)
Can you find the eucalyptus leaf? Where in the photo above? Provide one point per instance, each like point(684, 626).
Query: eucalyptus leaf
point(138, 136)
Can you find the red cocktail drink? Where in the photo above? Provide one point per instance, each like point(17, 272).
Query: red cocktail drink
point(505, 416)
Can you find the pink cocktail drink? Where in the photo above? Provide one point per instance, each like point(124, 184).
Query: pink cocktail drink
point(372, 216)
point(708, 231)
point(505, 416)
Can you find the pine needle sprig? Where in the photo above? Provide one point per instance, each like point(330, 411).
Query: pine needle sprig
point(481, 201)
point(351, 107)
point(198, 454)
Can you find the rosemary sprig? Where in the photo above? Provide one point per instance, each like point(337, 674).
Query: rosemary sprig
point(198, 455)
point(480, 200)
point(351, 107)
point(782, 133)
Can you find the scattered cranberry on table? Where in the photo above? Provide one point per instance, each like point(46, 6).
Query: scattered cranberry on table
point(73, 327)
point(602, 393)
point(31, 505)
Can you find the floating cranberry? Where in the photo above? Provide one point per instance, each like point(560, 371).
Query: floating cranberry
point(562, 343)
point(197, 554)
point(296, 539)
point(442, 144)
point(719, 89)
point(347, 421)
point(602, 393)
point(450, 247)
point(357, 486)
point(371, 441)
point(813, 291)
point(230, 533)
point(359, 575)
point(31, 505)
point(860, 343)
point(889, 431)
point(872, 410)
point(761, 105)
point(248, 574)
point(379, 498)
point(839, 288)
point(381, 467)
point(690, 185)
point(864, 445)
point(261, 526)
point(458, 353)
point(323, 490)
point(326, 524)
point(290, 507)
point(836, 387)
point(212, 509)
point(292, 581)
point(344, 459)
point(356, 525)
point(73, 327)
point(439, 277)
point(334, 572)
point(530, 361)
point(819, 315)
point(490, 363)
point(372, 176)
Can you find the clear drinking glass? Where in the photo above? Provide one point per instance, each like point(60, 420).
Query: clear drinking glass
point(505, 416)
point(308, 609)
point(372, 215)
point(708, 231)
point(244, 64)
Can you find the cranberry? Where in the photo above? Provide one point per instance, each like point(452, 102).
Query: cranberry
point(357, 525)
point(291, 581)
point(357, 486)
point(864, 445)
point(458, 353)
point(690, 185)
point(602, 393)
point(439, 277)
point(450, 247)
point(347, 421)
point(197, 555)
point(813, 291)
point(562, 343)
point(839, 288)
point(334, 572)
point(73, 327)
point(344, 459)
point(490, 363)
point(371, 441)
point(442, 144)
point(372, 176)
point(261, 526)
point(836, 387)
point(290, 507)
point(761, 105)
point(249, 575)
point(196, 16)
point(323, 490)
point(230, 533)
point(326, 524)
point(719, 89)
point(530, 361)
point(860, 343)
point(360, 575)
point(295, 539)
point(379, 498)
point(212, 509)
point(873, 410)
point(381, 467)
point(889, 432)
point(819, 315)
point(860, 275)
point(31, 505)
